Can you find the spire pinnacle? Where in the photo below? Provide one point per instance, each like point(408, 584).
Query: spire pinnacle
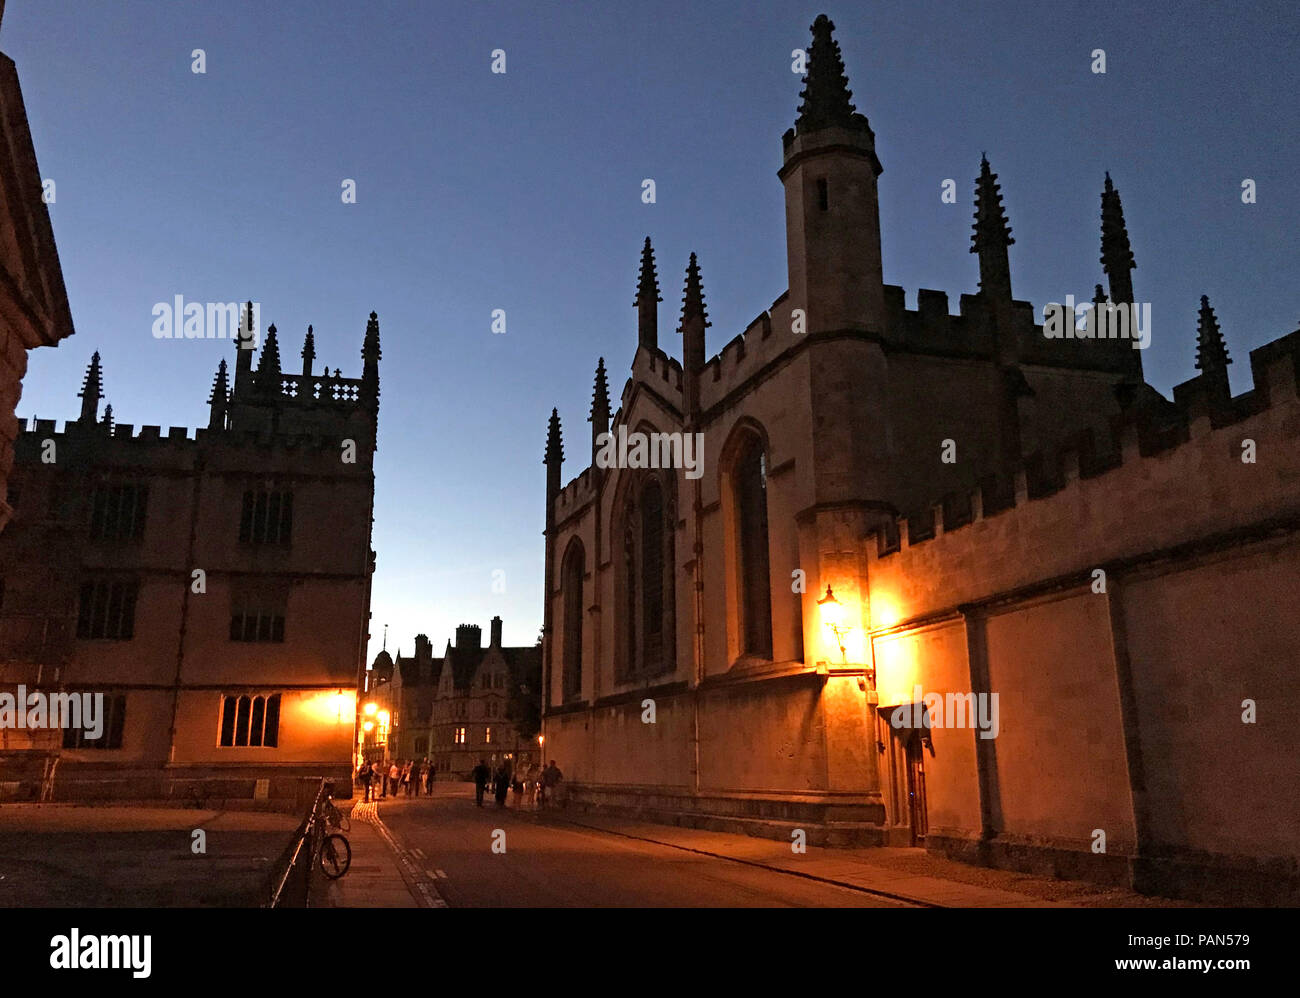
point(647, 288)
point(647, 300)
point(244, 341)
point(554, 443)
point(219, 399)
point(600, 395)
point(220, 385)
point(693, 297)
point(370, 346)
point(107, 421)
point(1116, 253)
point(826, 100)
point(1211, 349)
point(992, 233)
point(370, 354)
point(92, 390)
point(268, 365)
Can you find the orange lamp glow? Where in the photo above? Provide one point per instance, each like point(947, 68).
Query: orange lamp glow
point(368, 727)
point(370, 708)
point(833, 616)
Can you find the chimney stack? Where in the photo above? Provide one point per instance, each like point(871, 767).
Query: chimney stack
point(496, 632)
point(469, 636)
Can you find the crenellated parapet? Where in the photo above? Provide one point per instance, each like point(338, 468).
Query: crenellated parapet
point(1164, 475)
point(972, 333)
point(127, 443)
point(659, 372)
point(575, 496)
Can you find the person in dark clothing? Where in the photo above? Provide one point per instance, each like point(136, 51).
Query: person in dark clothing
point(501, 784)
point(367, 778)
point(432, 774)
point(481, 774)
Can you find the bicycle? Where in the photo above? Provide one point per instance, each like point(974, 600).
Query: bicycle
point(335, 818)
point(334, 852)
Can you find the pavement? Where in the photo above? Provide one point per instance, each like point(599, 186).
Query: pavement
point(384, 874)
point(86, 856)
point(443, 851)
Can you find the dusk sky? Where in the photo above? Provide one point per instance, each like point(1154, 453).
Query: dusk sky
point(479, 191)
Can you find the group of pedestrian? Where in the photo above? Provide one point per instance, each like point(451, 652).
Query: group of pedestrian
point(400, 776)
point(395, 777)
point(528, 785)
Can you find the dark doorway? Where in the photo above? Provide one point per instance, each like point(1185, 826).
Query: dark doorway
point(916, 806)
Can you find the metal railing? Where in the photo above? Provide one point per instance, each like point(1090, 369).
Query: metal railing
point(292, 888)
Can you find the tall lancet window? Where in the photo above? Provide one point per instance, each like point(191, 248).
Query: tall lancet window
point(751, 521)
point(652, 574)
point(575, 567)
point(631, 600)
point(646, 644)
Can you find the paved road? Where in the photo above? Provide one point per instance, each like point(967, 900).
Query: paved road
point(555, 865)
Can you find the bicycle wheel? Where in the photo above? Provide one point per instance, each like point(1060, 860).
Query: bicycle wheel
point(335, 856)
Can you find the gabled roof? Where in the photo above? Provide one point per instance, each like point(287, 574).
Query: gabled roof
point(413, 674)
point(523, 661)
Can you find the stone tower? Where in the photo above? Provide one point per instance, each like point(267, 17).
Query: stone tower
point(832, 213)
point(833, 257)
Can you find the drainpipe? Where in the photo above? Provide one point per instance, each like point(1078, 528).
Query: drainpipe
point(697, 645)
point(200, 465)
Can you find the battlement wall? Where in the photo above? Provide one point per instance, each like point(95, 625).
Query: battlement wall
point(580, 491)
point(1165, 482)
point(125, 439)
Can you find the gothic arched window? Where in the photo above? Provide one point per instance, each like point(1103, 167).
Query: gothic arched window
point(652, 574)
point(571, 576)
point(645, 584)
point(750, 478)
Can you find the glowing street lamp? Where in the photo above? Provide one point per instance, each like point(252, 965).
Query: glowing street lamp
point(370, 708)
point(834, 618)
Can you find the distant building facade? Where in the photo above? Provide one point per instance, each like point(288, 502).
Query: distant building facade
point(214, 586)
point(470, 704)
point(894, 505)
point(33, 303)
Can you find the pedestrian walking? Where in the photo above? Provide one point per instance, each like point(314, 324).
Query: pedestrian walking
point(480, 774)
point(433, 771)
point(551, 777)
point(394, 774)
point(501, 785)
point(367, 778)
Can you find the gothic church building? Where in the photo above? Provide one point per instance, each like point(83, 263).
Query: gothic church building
point(901, 504)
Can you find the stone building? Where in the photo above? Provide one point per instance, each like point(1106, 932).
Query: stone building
point(33, 303)
point(894, 504)
point(214, 585)
point(470, 704)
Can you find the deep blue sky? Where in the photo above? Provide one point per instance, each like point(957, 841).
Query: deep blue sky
point(479, 191)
